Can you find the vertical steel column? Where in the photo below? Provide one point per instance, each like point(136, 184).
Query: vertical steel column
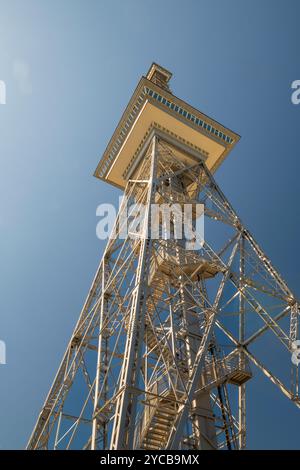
point(99, 354)
point(294, 336)
point(242, 329)
point(122, 433)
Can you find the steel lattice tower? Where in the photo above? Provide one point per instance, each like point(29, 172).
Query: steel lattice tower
point(161, 353)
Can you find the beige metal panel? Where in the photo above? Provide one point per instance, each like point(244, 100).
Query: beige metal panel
point(149, 116)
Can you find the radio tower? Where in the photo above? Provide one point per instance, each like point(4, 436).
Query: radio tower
point(171, 332)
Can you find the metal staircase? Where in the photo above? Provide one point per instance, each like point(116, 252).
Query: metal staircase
point(159, 424)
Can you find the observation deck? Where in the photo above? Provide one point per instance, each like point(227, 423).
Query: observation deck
point(153, 108)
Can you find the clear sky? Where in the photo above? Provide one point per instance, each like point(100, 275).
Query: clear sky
point(70, 67)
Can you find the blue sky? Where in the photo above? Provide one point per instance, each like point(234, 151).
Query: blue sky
point(70, 67)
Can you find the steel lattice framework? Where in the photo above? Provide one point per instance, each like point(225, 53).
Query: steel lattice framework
point(161, 353)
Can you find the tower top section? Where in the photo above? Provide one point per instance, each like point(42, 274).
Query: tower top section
point(159, 76)
point(154, 109)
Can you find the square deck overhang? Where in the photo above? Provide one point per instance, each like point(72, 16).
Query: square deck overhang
point(154, 109)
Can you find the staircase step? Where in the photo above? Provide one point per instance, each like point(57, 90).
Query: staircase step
point(158, 429)
point(166, 413)
point(154, 433)
point(161, 420)
point(153, 440)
